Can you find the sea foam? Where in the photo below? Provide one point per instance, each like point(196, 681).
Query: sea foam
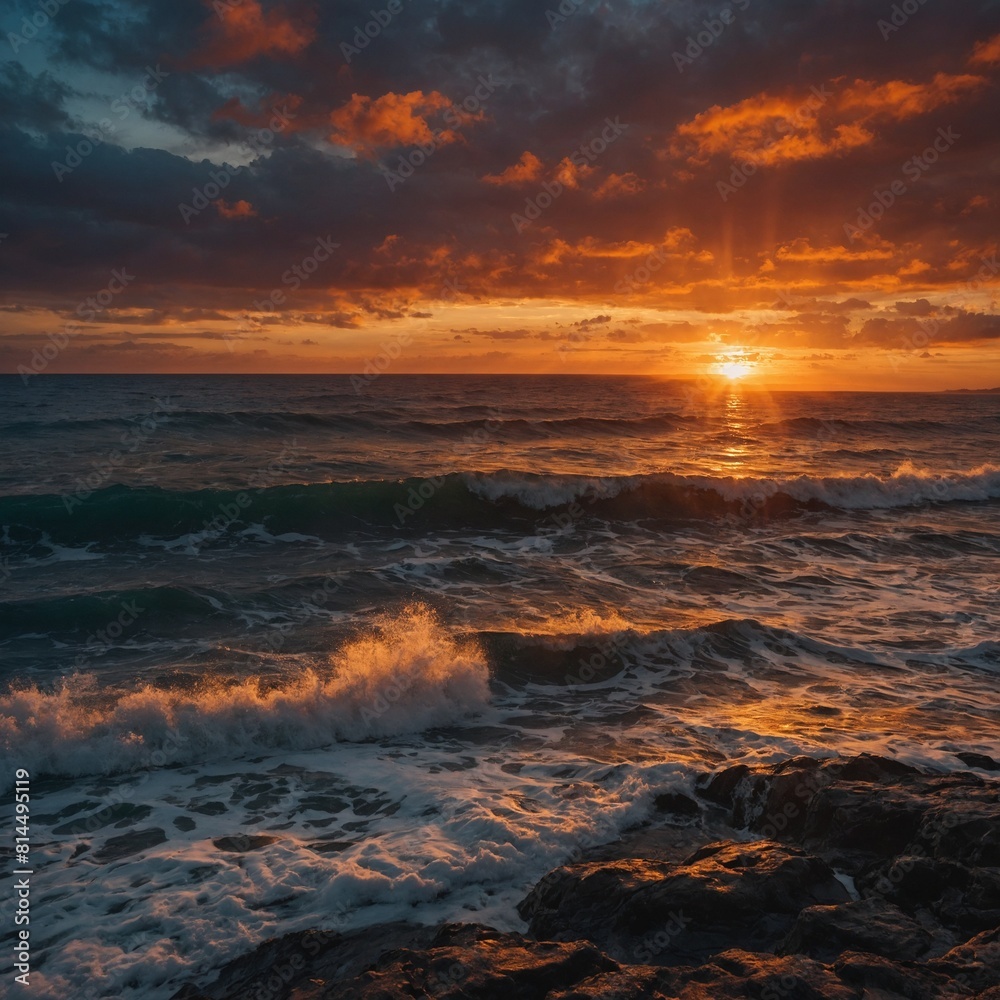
point(408, 674)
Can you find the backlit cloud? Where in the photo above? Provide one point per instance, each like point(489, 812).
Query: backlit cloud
point(240, 30)
point(783, 196)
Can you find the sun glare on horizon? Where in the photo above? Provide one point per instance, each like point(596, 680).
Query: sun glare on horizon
point(734, 368)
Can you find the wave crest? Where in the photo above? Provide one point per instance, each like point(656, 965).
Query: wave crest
point(407, 675)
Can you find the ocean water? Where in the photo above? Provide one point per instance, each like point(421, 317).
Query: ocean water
point(289, 652)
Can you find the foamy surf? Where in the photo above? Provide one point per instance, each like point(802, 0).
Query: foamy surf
point(408, 674)
point(907, 486)
point(754, 579)
point(200, 864)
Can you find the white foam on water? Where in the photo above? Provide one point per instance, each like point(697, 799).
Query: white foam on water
point(409, 674)
point(907, 486)
point(455, 824)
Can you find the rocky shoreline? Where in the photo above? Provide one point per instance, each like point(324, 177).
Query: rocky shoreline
point(846, 878)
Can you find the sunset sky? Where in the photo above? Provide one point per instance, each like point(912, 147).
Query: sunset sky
point(802, 194)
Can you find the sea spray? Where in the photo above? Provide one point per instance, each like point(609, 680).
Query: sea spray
point(407, 674)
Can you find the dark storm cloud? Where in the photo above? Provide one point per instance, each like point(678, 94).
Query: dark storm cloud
point(35, 102)
point(956, 329)
point(545, 90)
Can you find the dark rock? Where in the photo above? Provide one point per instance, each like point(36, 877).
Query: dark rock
point(874, 976)
point(277, 968)
point(978, 907)
point(676, 911)
point(797, 798)
point(857, 817)
point(720, 788)
point(913, 881)
point(677, 804)
point(871, 925)
point(729, 976)
point(466, 961)
point(870, 768)
point(962, 826)
point(724, 896)
point(861, 807)
point(975, 964)
point(964, 900)
point(979, 760)
point(736, 974)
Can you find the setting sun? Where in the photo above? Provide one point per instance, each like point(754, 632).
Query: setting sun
point(734, 369)
point(482, 483)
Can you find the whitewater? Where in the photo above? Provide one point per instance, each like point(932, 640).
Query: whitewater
point(315, 658)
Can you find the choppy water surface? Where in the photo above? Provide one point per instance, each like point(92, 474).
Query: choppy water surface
point(421, 642)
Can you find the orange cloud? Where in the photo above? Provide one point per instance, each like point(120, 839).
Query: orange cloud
point(900, 100)
point(238, 210)
point(986, 53)
point(620, 186)
point(801, 250)
point(678, 244)
point(243, 31)
point(768, 130)
point(528, 168)
point(591, 246)
point(569, 173)
point(390, 120)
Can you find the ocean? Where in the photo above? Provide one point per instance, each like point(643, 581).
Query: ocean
point(291, 652)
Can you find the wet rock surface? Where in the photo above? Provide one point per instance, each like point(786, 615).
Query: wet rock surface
point(846, 878)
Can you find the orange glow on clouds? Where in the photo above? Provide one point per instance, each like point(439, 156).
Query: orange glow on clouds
point(528, 168)
point(242, 31)
point(389, 121)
